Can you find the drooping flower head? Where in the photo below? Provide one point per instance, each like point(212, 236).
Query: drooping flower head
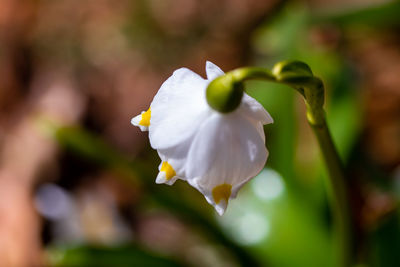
point(215, 152)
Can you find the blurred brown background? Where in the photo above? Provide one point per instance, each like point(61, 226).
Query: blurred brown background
point(96, 64)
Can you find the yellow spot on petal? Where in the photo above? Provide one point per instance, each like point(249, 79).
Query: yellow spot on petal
point(169, 171)
point(145, 121)
point(222, 191)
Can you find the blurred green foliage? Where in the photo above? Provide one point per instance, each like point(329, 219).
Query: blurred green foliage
point(376, 15)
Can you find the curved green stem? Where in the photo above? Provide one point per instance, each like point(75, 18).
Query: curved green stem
point(337, 191)
point(299, 76)
point(244, 74)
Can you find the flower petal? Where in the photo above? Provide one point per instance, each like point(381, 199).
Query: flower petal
point(177, 109)
point(176, 158)
point(166, 174)
point(260, 128)
point(142, 120)
point(226, 152)
point(254, 110)
point(213, 71)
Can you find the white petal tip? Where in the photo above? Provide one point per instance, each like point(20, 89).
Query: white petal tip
point(209, 64)
point(267, 119)
point(212, 70)
point(162, 179)
point(221, 207)
point(270, 120)
point(220, 213)
point(136, 122)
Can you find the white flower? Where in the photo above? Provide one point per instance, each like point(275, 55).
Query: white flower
point(217, 153)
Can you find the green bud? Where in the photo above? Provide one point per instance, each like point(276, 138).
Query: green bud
point(224, 94)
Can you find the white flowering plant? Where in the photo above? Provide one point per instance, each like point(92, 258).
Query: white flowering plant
point(209, 132)
point(215, 152)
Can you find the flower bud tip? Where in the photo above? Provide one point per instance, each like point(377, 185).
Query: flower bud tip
point(224, 94)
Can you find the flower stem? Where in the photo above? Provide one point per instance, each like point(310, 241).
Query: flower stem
point(337, 192)
point(299, 76)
